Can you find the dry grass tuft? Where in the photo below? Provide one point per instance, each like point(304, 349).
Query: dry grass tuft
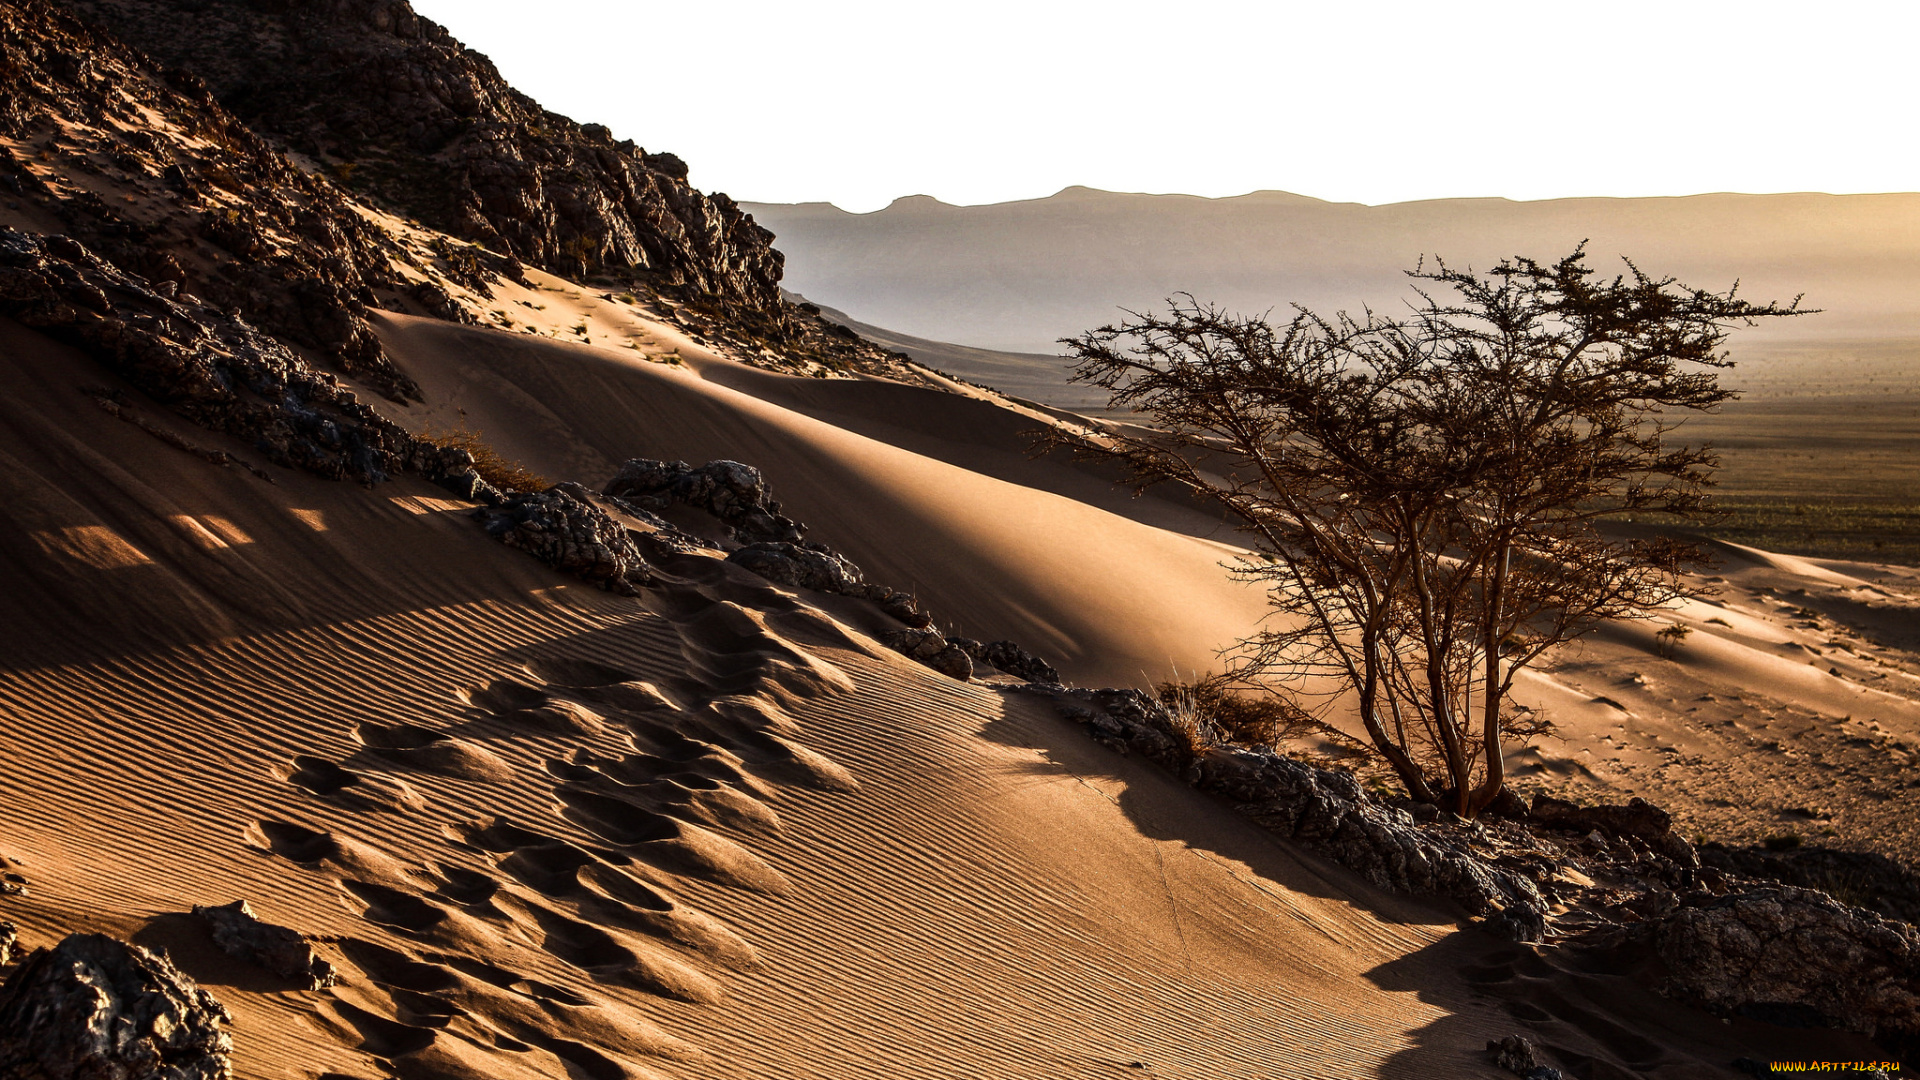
point(493, 468)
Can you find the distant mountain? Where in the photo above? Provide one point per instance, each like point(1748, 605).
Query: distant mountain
point(1016, 276)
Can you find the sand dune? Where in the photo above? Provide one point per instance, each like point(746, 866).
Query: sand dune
point(716, 831)
point(990, 557)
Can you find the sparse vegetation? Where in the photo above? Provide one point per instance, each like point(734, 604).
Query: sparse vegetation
point(489, 463)
point(1669, 638)
point(1424, 491)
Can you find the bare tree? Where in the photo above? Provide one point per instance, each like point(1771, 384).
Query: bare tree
point(1423, 492)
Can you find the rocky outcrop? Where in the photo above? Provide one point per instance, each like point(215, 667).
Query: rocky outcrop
point(284, 951)
point(93, 1008)
point(1792, 955)
point(735, 494)
point(1008, 657)
point(1326, 811)
point(145, 169)
point(400, 112)
point(1862, 879)
point(930, 647)
point(210, 366)
point(564, 529)
point(410, 116)
point(1520, 1057)
point(1638, 819)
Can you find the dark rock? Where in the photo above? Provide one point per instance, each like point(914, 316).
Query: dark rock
point(1781, 947)
point(735, 494)
point(283, 951)
point(931, 648)
point(1863, 879)
point(800, 566)
point(285, 250)
point(209, 365)
point(1520, 922)
point(1638, 819)
point(93, 1008)
point(1520, 1057)
point(562, 528)
point(1018, 662)
point(1325, 810)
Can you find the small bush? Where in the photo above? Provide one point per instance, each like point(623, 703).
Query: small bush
point(493, 468)
point(1782, 842)
point(1190, 725)
point(1237, 717)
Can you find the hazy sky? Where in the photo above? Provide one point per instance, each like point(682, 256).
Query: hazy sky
point(859, 102)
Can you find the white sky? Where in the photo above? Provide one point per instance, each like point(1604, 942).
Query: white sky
point(858, 102)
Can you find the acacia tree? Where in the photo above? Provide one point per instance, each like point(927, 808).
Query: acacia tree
point(1423, 492)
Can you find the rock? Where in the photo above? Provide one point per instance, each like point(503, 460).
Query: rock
point(1520, 922)
point(808, 566)
point(1324, 810)
point(1519, 1057)
point(562, 528)
point(1639, 819)
point(93, 1008)
point(736, 494)
point(1769, 949)
point(931, 648)
point(208, 365)
point(284, 249)
point(283, 951)
point(9, 943)
point(1018, 662)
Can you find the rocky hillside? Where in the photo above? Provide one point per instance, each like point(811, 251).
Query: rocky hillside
point(399, 112)
point(397, 109)
point(146, 170)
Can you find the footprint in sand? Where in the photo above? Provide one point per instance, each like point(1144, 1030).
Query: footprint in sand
point(350, 789)
point(604, 894)
point(430, 751)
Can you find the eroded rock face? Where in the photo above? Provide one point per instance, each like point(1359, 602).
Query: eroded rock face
point(1787, 953)
point(193, 200)
point(429, 127)
point(208, 365)
point(94, 1008)
point(279, 949)
point(564, 529)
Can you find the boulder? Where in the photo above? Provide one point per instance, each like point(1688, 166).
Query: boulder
point(285, 952)
point(1639, 819)
point(562, 528)
point(931, 648)
point(95, 1008)
point(1520, 1057)
point(1794, 954)
point(735, 494)
point(800, 566)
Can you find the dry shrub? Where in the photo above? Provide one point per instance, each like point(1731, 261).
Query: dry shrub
point(492, 467)
point(1187, 719)
point(1237, 717)
point(1210, 711)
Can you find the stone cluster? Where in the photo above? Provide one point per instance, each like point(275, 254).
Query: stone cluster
point(94, 1007)
point(564, 529)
